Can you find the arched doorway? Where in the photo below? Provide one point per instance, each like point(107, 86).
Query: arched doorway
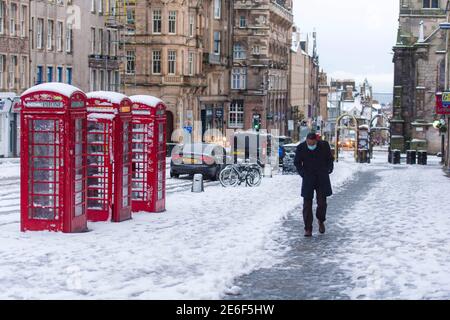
point(170, 126)
point(340, 126)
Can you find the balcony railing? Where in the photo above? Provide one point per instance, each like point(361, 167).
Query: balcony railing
point(422, 12)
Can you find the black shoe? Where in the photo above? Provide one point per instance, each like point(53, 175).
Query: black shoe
point(322, 227)
point(308, 233)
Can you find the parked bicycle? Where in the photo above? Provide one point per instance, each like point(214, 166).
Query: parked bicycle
point(236, 174)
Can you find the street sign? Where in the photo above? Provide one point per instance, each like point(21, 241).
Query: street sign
point(443, 103)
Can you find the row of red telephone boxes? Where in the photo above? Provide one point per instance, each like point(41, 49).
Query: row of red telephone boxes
point(89, 157)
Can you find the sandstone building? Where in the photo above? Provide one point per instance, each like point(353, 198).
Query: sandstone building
point(14, 45)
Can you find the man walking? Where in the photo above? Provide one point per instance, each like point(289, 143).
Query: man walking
point(314, 162)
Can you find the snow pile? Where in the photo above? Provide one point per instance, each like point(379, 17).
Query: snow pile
point(147, 100)
point(56, 87)
point(192, 251)
point(112, 97)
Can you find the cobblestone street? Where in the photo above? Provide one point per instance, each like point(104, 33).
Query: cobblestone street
point(386, 238)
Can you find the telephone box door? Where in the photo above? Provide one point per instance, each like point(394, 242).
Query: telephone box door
point(123, 174)
point(142, 164)
point(45, 173)
point(100, 170)
point(79, 175)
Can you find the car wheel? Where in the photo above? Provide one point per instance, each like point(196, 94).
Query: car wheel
point(174, 175)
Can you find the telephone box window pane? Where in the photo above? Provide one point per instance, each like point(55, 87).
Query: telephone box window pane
point(44, 125)
point(44, 138)
point(43, 163)
point(44, 188)
point(43, 213)
point(42, 151)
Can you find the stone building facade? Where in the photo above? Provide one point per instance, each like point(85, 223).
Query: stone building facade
point(304, 98)
point(419, 59)
point(75, 42)
point(14, 45)
point(217, 64)
point(167, 47)
point(259, 76)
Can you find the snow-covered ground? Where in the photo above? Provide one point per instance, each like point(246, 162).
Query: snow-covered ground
point(192, 251)
point(400, 241)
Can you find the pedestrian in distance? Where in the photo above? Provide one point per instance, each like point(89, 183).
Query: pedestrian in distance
point(314, 162)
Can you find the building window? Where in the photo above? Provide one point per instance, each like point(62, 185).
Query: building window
point(50, 35)
point(2, 17)
point(40, 75)
point(69, 75)
point(238, 51)
point(12, 19)
point(242, 22)
point(236, 114)
point(93, 80)
point(59, 36)
point(217, 42)
point(156, 62)
point(191, 25)
point(191, 63)
point(172, 22)
point(102, 80)
point(157, 23)
point(93, 33)
point(12, 72)
point(131, 62)
point(69, 38)
point(49, 74)
point(59, 74)
point(23, 21)
point(23, 72)
point(239, 79)
point(100, 41)
point(431, 4)
point(172, 55)
point(39, 33)
point(2, 69)
point(217, 9)
point(130, 15)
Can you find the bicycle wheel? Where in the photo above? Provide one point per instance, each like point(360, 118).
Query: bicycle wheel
point(229, 177)
point(254, 178)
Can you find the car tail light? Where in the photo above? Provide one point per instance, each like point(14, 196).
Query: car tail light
point(208, 160)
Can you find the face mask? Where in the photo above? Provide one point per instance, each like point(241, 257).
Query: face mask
point(312, 148)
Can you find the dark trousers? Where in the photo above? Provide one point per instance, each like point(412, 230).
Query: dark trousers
point(321, 213)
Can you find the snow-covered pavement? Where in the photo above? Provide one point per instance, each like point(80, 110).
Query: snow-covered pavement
point(192, 251)
point(388, 238)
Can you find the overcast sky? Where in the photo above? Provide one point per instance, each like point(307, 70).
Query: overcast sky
point(355, 37)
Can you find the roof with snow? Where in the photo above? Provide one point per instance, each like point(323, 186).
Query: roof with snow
point(112, 97)
point(63, 89)
point(147, 100)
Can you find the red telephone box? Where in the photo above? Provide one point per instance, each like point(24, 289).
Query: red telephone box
point(109, 157)
point(53, 163)
point(149, 154)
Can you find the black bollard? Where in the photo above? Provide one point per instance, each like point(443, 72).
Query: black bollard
point(411, 157)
